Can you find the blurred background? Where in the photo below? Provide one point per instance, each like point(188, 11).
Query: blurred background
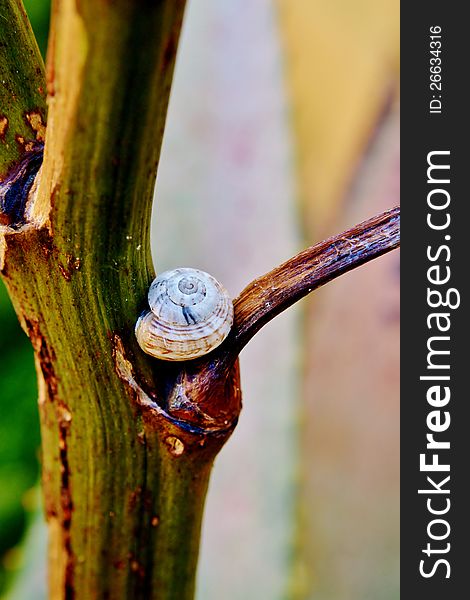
point(282, 130)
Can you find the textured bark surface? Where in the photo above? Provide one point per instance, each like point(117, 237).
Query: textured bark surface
point(267, 296)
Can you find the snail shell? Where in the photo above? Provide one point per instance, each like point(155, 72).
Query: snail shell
point(190, 314)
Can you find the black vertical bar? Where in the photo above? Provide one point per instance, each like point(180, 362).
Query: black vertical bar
point(427, 244)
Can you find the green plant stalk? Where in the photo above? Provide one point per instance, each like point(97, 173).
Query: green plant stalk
point(124, 479)
point(22, 86)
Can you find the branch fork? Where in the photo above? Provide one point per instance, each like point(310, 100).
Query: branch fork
point(128, 442)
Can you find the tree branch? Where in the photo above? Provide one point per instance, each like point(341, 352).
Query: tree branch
point(264, 298)
point(267, 296)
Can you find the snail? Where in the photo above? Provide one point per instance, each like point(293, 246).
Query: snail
point(190, 315)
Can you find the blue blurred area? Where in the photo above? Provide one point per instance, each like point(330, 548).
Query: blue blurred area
point(19, 423)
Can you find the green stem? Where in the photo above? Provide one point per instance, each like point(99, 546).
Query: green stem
point(22, 87)
point(124, 480)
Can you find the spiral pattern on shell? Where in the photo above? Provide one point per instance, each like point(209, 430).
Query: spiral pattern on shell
point(190, 315)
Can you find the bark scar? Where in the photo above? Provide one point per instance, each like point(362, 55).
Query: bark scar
point(3, 127)
point(15, 188)
point(64, 419)
point(45, 358)
point(125, 372)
